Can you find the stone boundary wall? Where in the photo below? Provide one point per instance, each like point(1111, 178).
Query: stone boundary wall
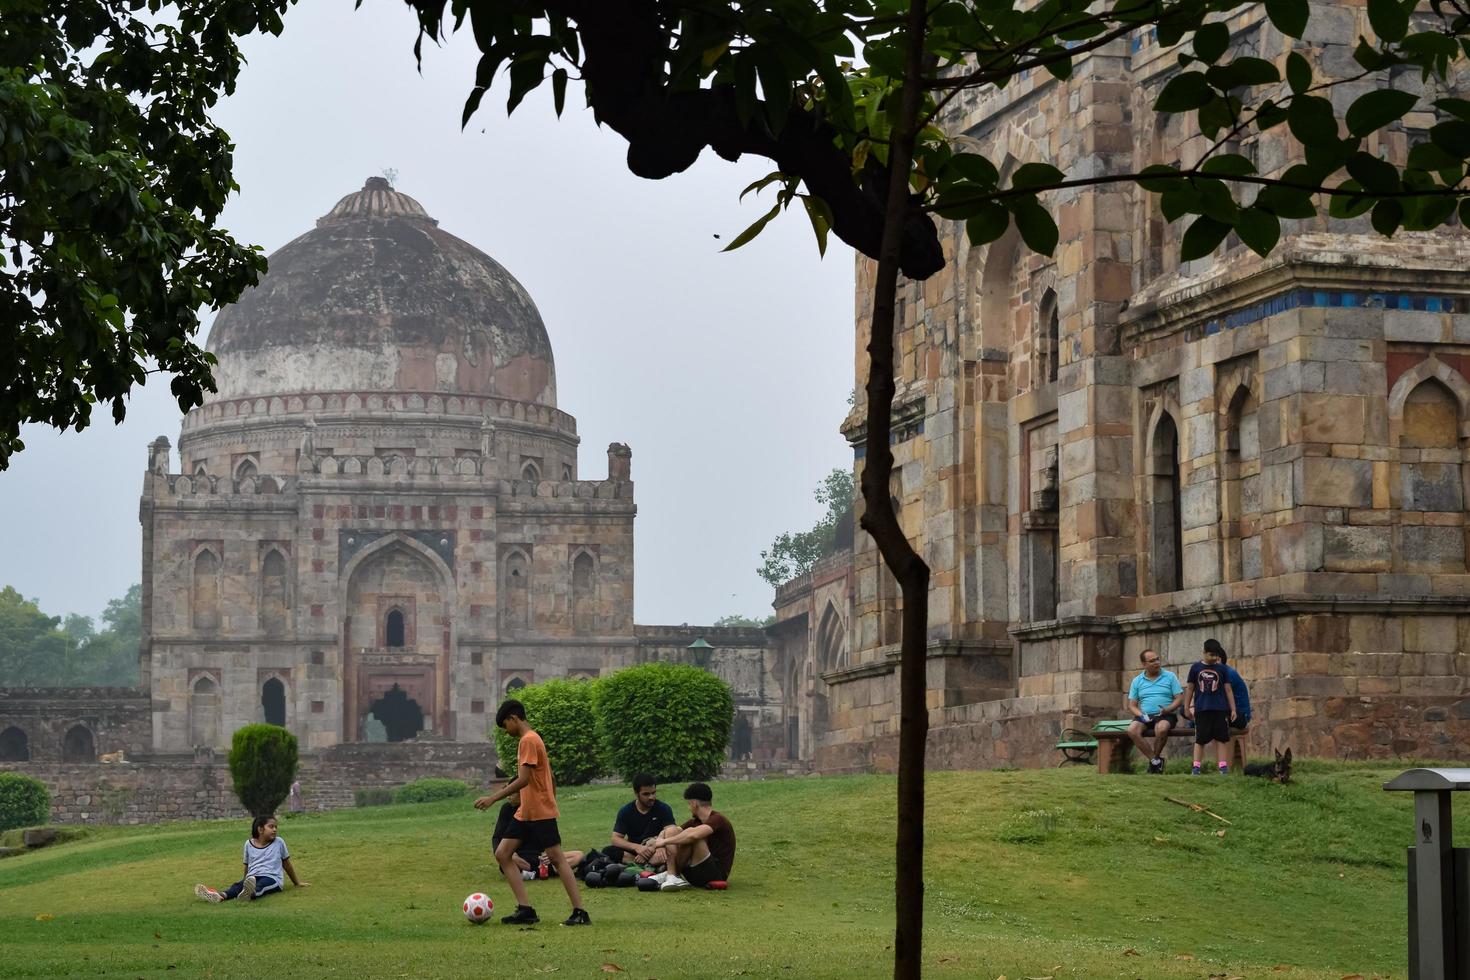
point(162, 788)
point(118, 718)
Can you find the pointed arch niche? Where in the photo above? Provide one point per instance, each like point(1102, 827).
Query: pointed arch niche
point(206, 711)
point(204, 587)
point(275, 602)
point(584, 591)
point(1429, 419)
point(515, 588)
point(1165, 531)
point(1240, 474)
point(832, 640)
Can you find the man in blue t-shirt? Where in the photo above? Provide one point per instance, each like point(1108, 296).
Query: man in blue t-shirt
point(1210, 701)
point(639, 822)
point(1153, 697)
point(1242, 694)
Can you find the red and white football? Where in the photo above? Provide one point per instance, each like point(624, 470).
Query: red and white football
point(477, 908)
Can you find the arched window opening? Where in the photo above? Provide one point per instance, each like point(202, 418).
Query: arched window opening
point(273, 602)
point(832, 640)
point(78, 745)
point(1165, 533)
point(566, 472)
point(515, 592)
point(513, 686)
point(1048, 341)
point(531, 473)
point(1429, 449)
point(14, 745)
point(204, 713)
point(273, 702)
point(584, 592)
point(400, 715)
point(205, 594)
point(393, 631)
point(741, 740)
point(246, 469)
point(1241, 499)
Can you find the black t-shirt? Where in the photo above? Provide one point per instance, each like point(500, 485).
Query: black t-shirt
point(502, 824)
point(638, 827)
point(721, 842)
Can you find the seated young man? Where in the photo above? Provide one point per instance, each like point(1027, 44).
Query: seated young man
point(639, 823)
point(702, 850)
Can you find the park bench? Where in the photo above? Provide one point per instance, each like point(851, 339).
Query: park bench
point(1076, 747)
point(1114, 745)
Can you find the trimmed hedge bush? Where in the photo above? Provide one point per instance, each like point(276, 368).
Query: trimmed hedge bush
point(561, 712)
point(670, 720)
point(372, 796)
point(429, 790)
point(24, 801)
point(262, 764)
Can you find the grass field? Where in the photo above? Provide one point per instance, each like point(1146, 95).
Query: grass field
point(1059, 873)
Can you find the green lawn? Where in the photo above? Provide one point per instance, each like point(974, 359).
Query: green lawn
point(1059, 873)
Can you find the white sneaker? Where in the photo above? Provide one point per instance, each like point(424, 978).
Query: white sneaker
point(207, 893)
point(661, 877)
point(248, 891)
point(528, 875)
point(672, 884)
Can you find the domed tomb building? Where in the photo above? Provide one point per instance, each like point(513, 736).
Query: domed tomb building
point(378, 526)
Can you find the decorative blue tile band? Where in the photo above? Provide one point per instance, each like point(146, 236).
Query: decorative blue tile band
point(1319, 298)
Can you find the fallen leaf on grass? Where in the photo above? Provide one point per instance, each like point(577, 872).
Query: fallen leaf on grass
point(548, 968)
point(1130, 951)
point(947, 959)
point(1039, 978)
point(158, 935)
point(1219, 833)
point(1184, 956)
point(1280, 968)
point(45, 917)
point(1352, 976)
point(611, 968)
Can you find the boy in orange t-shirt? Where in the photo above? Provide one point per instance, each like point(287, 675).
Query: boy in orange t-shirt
point(534, 823)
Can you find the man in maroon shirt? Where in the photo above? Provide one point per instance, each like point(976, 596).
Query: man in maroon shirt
point(702, 850)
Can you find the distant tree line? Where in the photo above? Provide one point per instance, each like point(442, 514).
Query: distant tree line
point(37, 650)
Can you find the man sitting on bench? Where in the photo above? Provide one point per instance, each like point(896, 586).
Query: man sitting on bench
point(1153, 697)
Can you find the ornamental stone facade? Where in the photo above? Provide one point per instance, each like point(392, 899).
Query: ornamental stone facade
point(1108, 450)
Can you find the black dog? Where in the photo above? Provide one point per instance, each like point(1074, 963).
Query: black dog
point(1278, 771)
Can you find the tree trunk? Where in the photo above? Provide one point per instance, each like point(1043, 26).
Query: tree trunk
point(881, 522)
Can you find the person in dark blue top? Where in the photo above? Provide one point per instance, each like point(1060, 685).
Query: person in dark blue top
point(1242, 694)
point(639, 822)
point(1209, 700)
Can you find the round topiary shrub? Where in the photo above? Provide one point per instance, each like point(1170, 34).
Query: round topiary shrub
point(262, 765)
point(670, 720)
point(24, 801)
point(429, 790)
point(561, 713)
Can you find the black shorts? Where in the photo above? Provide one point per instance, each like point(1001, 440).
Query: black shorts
point(703, 873)
point(537, 834)
point(1169, 716)
point(1240, 724)
point(1211, 726)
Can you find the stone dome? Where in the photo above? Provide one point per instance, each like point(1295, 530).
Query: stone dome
point(378, 298)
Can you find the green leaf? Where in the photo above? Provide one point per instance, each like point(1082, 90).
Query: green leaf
point(1260, 230)
point(1286, 202)
point(1298, 73)
point(471, 105)
point(1389, 19)
point(1459, 108)
point(1374, 110)
point(1427, 156)
point(988, 225)
point(1202, 237)
point(1228, 163)
point(1036, 175)
point(755, 229)
point(1375, 175)
point(1185, 91)
point(1243, 71)
point(1210, 41)
point(821, 219)
point(1387, 215)
point(1159, 177)
point(1350, 205)
point(1037, 228)
point(974, 168)
point(1312, 121)
point(559, 89)
point(1288, 16)
point(1452, 137)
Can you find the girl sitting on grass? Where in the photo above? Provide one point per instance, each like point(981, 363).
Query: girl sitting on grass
point(265, 858)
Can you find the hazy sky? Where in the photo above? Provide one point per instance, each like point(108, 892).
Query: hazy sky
point(727, 374)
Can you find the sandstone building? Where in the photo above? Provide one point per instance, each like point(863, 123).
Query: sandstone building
point(376, 529)
point(1108, 450)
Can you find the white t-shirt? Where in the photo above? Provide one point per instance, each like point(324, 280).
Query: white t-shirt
point(266, 860)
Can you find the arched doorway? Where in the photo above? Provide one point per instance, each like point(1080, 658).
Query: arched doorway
point(14, 746)
point(740, 739)
point(78, 746)
point(273, 702)
point(400, 714)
